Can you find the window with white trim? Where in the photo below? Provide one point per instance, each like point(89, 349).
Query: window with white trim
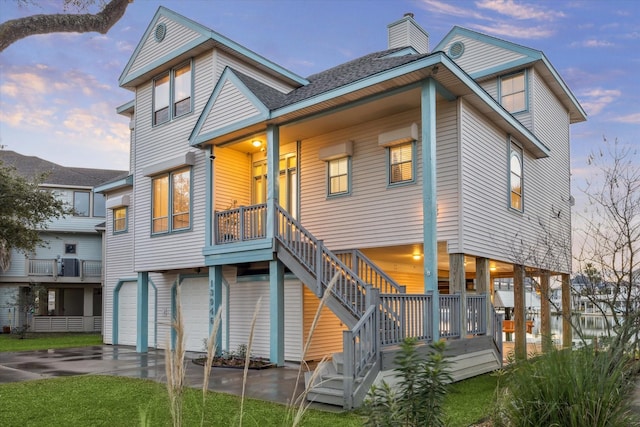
point(516, 177)
point(171, 201)
point(513, 92)
point(401, 163)
point(120, 220)
point(339, 171)
point(172, 93)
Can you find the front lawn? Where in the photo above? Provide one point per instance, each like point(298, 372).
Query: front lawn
point(45, 341)
point(116, 401)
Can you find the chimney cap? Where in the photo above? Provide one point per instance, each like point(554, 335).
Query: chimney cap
point(409, 14)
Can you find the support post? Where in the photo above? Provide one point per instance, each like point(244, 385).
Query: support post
point(276, 312)
point(215, 302)
point(483, 285)
point(457, 285)
point(567, 337)
point(545, 312)
point(273, 174)
point(142, 319)
point(429, 202)
point(520, 346)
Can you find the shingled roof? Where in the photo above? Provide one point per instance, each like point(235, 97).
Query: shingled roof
point(31, 166)
point(325, 81)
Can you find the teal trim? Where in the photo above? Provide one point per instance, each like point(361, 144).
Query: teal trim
point(525, 76)
point(116, 308)
point(215, 304)
point(227, 76)
point(429, 192)
point(155, 313)
point(249, 121)
point(273, 185)
point(503, 68)
point(142, 339)
point(126, 108)
point(208, 197)
point(115, 185)
point(520, 153)
point(446, 93)
point(276, 312)
point(455, 31)
point(205, 34)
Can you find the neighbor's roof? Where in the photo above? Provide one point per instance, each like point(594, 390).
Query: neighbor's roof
point(31, 166)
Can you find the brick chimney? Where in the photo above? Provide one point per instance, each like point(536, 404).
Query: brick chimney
point(406, 32)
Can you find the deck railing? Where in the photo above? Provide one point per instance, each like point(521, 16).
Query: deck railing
point(450, 316)
point(405, 315)
point(241, 224)
point(54, 268)
point(476, 314)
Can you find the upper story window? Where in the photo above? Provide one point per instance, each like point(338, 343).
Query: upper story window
point(401, 163)
point(516, 177)
point(120, 220)
point(171, 201)
point(99, 205)
point(513, 92)
point(81, 201)
point(172, 94)
point(339, 176)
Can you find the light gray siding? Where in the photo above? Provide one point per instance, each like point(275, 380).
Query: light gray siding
point(479, 56)
point(490, 229)
point(231, 106)
point(223, 59)
point(177, 35)
point(118, 262)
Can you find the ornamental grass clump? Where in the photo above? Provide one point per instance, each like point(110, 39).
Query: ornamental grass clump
point(569, 388)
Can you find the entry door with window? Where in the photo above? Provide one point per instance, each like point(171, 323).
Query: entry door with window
point(288, 195)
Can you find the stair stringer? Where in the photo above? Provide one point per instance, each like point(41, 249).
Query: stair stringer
point(309, 280)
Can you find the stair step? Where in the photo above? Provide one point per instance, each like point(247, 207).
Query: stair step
point(326, 395)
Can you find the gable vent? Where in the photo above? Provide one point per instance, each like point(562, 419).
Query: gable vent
point(161, 32)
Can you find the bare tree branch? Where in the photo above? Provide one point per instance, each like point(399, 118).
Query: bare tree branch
point(16, 29)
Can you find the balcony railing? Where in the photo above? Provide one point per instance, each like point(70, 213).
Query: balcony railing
point(65, 267)
point(241, 224)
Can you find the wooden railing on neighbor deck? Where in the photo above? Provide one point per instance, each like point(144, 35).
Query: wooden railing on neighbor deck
point(52, 268)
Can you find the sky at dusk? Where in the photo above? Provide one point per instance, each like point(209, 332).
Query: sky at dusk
point(58, 92)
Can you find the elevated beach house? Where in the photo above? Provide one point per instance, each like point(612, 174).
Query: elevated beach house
point(398, 185)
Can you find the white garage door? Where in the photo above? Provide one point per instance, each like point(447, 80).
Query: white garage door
point(194, 293)
point(128, 314)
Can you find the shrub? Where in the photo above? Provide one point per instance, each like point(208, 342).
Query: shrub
point(422, 389)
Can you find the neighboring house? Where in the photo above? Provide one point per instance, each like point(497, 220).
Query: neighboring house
point(407, 180)
point(59, 286)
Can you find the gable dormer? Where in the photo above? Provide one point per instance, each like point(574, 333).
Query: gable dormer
point(508, 71)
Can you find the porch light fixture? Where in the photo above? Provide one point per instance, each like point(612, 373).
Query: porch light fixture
point(417, 256)
point(256, 143)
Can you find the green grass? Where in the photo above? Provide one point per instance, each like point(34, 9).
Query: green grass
point(470, 401)
point(41, 341)
point(116, 401)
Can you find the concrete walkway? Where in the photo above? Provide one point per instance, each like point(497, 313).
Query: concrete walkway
point(272, 384)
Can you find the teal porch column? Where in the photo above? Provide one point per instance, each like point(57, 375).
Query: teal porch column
point(215, 303)
point(142, 319)
point(276, 311)
point(429, 202)
point(273, 173)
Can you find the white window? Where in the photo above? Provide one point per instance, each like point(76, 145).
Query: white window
point(401, 163)
point(515, 179)
point(171, 205)
point(339, 176)
point(173, 89)
point(120, 220)
point(513, 94)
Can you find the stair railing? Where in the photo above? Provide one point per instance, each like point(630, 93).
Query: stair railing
point(310, 252)
point(369, 272)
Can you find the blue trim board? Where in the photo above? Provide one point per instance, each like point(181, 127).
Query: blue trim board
point(124, 108)
point(142, 339)
point(429, 186)
point(276, 312)
point(114, 185)
point(208, 196)
point(215, 304)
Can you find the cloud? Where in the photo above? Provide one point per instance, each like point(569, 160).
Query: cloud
point(515, 31)
point(592, 43)
point(451, 9)
point(633, 119)
point(596, 99)
point(520, 11)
